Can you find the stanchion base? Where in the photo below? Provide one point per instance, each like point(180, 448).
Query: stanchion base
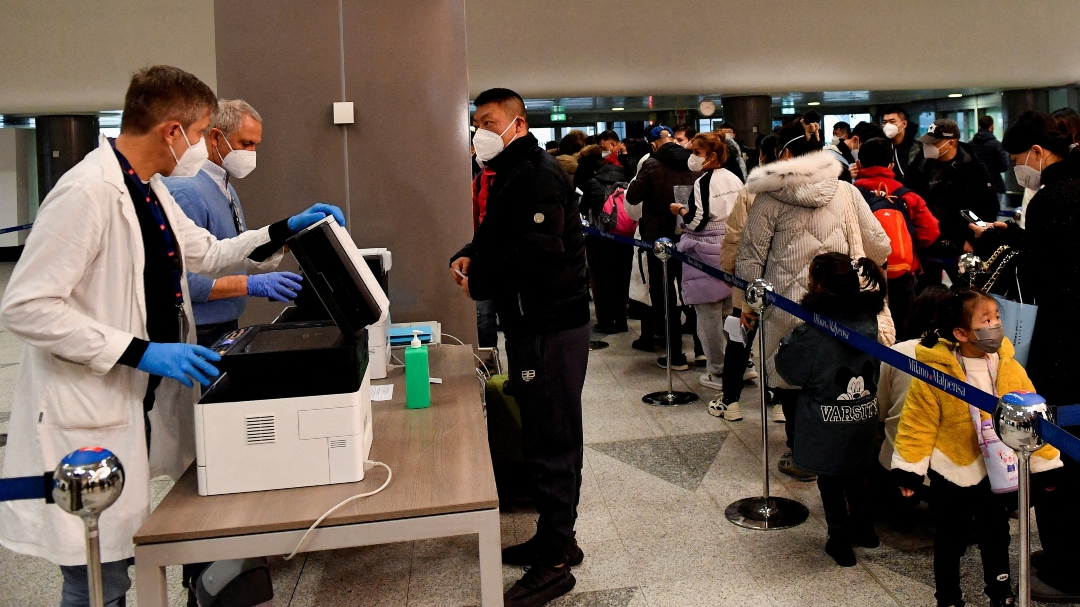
point(669, 399)
point(596, 344)
point(753, 513)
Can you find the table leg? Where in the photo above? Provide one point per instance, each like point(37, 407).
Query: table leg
point(491, 580)
point(150, 585)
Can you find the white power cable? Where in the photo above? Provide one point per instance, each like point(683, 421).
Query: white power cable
point(389, 475)
point(480, 360)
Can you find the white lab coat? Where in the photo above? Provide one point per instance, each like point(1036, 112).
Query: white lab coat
point(76, 300)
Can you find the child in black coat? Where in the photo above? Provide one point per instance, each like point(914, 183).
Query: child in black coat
point(837, 414)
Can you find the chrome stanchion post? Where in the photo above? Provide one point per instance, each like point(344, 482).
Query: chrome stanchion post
point(662, 249)
point(1014, 421)
point(85, 483)
point(765, 511)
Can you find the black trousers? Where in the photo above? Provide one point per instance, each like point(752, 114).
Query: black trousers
point(656, 293)
point(845, 499)
point(1055, 495)
point(954, 507)
point(609, 272)
point(901, 294)
point(548, 374)
point(736, 356)
point(787, 399)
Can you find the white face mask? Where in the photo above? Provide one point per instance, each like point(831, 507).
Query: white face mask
point(189, 163)
point(605, 153)
point(891, 130)
point(489, 144)
point(1027, 176)
point(834, 141)
point(239, 163)
point(695, 163)
point(855, 154)
point(930, 151)
point(729, 137)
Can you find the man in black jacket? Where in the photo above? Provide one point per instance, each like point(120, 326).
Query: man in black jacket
point(895, 125)
point(950, 179)
point(653, 189)
point(988, 149)
point(528, 255)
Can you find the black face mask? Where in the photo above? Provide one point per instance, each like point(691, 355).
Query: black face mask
point(623, 158)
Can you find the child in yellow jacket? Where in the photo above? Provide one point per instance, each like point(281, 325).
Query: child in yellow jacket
point(936, 436)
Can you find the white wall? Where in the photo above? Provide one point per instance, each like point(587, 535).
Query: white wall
point(77, 56)
point(673, 47)
point(9, 191)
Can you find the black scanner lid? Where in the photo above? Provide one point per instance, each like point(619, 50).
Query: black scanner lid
point(330, 272)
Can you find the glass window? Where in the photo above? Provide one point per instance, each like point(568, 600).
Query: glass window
point(925, 120)
point(828, 121)
point(543, 135)
point(620, 128)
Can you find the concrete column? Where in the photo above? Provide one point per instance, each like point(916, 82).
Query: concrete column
point(1018, 101)
point(62, 141)
point(401, 170)
point(751, 115)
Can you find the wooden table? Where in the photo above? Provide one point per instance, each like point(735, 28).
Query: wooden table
point(443, 485)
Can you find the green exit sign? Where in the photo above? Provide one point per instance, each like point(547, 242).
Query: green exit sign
point(558, 117)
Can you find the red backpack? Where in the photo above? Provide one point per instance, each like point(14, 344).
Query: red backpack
point(893, 215)
point(614, 218)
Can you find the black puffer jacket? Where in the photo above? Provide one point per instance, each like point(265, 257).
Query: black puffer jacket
point(1050, 276)
point(837, 414)
point(653, 188)
point(988, 149)
point(529, 252)
point(596, 190)
point(950, 187)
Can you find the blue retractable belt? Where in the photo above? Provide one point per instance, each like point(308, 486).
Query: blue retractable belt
point(1066, 415)
point(27, 488)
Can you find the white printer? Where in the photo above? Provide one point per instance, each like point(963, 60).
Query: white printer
point(292, 407)
point(379, 260)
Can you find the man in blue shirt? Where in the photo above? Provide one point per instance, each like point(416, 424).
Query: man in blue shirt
point(211, 202)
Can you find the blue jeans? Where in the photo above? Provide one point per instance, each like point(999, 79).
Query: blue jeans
point(114, 584)
point(487, 328)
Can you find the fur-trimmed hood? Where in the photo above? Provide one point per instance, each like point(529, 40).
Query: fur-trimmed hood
point(805, 181)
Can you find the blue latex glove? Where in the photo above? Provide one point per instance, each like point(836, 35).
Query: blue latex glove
point(278, 286)
point(316, 212)
point(180, 362)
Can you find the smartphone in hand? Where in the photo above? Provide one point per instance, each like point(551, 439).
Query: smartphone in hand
point(971, 217)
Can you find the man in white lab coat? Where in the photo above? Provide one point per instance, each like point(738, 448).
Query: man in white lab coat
point(100, 300)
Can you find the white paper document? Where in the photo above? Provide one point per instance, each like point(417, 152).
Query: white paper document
point(735, 330)
point(382, 392)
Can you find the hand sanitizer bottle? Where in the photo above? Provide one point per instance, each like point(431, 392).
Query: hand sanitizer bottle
point(417, 375)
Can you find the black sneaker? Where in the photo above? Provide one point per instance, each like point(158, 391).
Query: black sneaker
point(524, 554)
point(1002, 600)
point(838, 546)
point(678, 362)
point(865, 536)
point(540, 584)
point(645, 345)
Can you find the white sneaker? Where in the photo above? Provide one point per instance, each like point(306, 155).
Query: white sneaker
point(733, 412)
point(778, 414)
point(710, 381)
point(730, 411)
point(751, 373)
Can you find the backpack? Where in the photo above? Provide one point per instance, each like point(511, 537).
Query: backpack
point(892, 213)
point(613, 218)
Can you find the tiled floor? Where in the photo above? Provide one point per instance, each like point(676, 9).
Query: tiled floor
point(656, 483)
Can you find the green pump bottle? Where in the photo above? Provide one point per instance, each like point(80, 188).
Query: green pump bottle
point(417, 375)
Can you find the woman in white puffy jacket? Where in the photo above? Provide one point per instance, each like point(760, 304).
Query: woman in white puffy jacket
point(800, 210)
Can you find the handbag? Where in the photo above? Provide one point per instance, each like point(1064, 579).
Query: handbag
point(1017, 317)
point(886, 327)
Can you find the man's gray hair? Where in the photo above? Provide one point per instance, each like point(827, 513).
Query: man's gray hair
point(229, 113)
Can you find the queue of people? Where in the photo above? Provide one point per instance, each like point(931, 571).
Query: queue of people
point(866, 229)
